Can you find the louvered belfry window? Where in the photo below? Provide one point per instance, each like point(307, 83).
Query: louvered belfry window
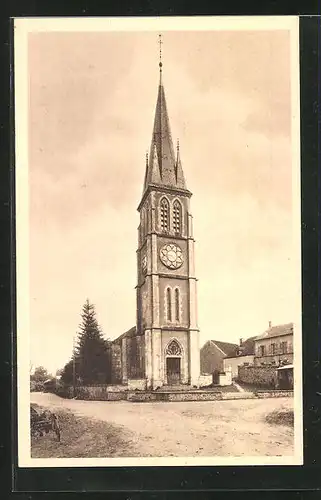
point(164, 215)
point(177, 217)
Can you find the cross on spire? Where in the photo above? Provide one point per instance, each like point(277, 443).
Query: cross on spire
point(160, 41)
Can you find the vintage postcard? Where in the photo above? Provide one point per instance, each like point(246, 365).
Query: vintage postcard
point(157, 166)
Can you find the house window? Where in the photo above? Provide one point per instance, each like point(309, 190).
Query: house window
point(177, 217)
point(164, 215)
point(283, 347)
point(273, 348)
point(262, 350)
point(176, 304)
point(169, 304)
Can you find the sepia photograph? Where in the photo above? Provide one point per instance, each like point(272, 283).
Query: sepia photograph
point(158, 265)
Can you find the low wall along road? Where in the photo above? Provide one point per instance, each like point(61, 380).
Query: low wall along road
point(119, 393)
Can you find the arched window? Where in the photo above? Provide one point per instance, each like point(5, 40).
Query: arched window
point(174, 349)
point(164, 214)
point(176, 304)
point(177, 217)
point(169, 304)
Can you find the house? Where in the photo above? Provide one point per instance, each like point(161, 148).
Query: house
point(275, 346)
point(244, 357)
point(212, 355)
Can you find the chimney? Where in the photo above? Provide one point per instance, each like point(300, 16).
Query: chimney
point(270, 324)
point(241, 342)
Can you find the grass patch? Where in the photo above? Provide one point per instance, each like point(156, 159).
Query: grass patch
point(281, 417)
point(81, 437)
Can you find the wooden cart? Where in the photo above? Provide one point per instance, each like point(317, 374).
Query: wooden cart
point(44, 422)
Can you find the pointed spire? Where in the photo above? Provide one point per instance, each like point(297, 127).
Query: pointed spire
point(153, 176)
point(180, 179)
point(163, 168)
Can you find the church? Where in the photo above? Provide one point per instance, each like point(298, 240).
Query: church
point(163, 348)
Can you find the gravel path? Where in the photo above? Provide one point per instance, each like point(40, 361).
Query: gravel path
point(205, 428)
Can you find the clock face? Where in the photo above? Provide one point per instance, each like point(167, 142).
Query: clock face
point(144, 264)
point(171, 256)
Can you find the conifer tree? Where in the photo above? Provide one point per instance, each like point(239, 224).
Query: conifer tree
point(91, 356)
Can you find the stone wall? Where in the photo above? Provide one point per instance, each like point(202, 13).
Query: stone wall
point(137, 384)
point(205, 380)
point(264, 376)
point(116, 364)
point(95, 392)
point(174, 396)
point(273, 394)
point(116, 388)
point(99, 393)
point(140, 397)
point(194, 396)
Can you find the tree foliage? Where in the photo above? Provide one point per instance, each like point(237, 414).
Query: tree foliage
point(90, 360)
point(40, 374)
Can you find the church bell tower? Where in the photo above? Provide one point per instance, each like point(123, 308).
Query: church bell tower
point(166, 282)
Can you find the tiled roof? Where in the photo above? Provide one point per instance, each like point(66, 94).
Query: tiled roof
point(227, 348)
point(130, 333)
point(246, 349)
point(248, 346)
point(277, 331)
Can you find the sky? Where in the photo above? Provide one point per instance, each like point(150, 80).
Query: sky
point(92, 99)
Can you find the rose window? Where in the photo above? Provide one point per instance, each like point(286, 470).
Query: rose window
point(171, 256)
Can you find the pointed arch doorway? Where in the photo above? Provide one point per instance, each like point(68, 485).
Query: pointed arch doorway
point(173, 356)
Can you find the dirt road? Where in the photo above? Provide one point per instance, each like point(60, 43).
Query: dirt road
point(219, 428)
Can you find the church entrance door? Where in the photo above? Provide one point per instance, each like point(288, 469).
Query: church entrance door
point(173, 366)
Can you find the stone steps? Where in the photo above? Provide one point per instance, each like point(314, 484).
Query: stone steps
point(238, 395)
point(175, 388)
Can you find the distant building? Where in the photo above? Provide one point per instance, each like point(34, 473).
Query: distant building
point(275, 346)
point(244, 357)
point(127, 357)
point(213, 353)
